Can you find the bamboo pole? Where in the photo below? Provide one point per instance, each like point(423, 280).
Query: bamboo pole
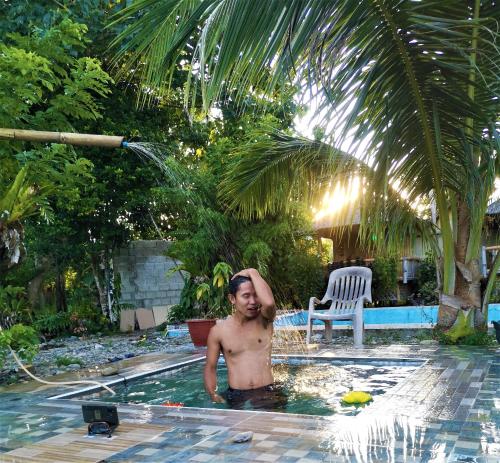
point(81, 139)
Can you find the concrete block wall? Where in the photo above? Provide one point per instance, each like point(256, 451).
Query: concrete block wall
point(143, 267)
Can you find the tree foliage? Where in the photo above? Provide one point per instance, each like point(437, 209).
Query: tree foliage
point(101, 199)
point(418, 80)
point(279, 246)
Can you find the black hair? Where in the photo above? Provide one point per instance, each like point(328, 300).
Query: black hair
point(235, 284)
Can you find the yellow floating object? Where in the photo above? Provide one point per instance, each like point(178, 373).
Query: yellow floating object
point(357, 397)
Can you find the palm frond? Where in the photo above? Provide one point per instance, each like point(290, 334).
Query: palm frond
point(273, 169)
point(21, 200)
point(421, 78)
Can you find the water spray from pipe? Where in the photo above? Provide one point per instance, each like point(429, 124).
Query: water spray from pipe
point(154, 152)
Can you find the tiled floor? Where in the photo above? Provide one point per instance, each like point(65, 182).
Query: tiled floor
point(447, 411)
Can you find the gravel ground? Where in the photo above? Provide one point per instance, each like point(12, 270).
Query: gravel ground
point(72, 353)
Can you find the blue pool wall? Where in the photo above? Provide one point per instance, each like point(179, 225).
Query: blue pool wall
point(385, 317)
point(375, 318)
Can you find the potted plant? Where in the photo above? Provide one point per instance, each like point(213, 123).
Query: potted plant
point(211, 303)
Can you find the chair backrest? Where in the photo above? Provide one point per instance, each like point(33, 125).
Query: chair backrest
point(346, 286)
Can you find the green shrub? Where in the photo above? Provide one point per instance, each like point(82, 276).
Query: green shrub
point(210, 293)
point(80, 320)
point(20, 338)
point(52, 324)
point(203, 296)
point(427, 293)
point(258, 255)
point(477, 338)
point(87, 319)
point(64, 361)
point(384, 280)
point(306, 276)
point(14, 307)
point(186, 308)
point(426, 281)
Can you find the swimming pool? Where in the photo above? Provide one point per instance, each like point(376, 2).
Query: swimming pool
point(383, 317)
point(312, 386)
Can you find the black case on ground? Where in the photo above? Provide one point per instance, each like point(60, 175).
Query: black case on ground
point(107, 413)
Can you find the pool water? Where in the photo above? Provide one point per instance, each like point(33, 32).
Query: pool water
point(313, 387)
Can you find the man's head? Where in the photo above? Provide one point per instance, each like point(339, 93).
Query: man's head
point(243, 297)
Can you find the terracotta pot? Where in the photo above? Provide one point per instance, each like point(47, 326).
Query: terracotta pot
point(199, 329)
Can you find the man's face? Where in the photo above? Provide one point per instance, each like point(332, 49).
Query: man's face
point(245, 301)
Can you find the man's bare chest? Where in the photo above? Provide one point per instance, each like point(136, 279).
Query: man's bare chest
point(254, 340)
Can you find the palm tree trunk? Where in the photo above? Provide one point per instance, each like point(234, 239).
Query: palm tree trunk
point(467, 293)
point(467, 290)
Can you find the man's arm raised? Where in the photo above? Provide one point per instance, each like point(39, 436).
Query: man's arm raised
point(210, 371)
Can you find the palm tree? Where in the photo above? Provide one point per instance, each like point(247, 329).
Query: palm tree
point(421, 78)
point(19, 201)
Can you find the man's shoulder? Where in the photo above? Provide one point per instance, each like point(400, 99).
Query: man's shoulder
point(222, 325)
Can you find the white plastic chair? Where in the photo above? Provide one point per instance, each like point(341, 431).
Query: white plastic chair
point(348, 289)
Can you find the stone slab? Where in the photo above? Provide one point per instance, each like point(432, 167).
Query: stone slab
point(145, 318)
point(127, 320)
point(161, 313)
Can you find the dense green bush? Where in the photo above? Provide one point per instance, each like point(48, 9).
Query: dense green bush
point(426, 282)
point(280, 247)
point(384, 281)
point(87, 319)
point(477, 338)
point(427, 293)
point(306, 274)
point(64, 361)
point(211, 294)
point(22, 339)
point(52, 324)
point(283, 254)
point(14, 307)
point(187, 307)
point(78, 321)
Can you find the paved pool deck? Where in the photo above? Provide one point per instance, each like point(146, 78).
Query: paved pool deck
point(448, 410)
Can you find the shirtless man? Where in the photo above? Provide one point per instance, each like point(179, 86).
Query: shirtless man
point(245, 341)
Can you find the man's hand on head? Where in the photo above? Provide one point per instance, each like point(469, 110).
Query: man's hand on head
point(247, 272)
